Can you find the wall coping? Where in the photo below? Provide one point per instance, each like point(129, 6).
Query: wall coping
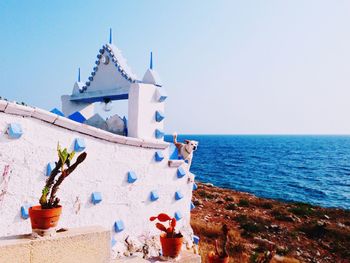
point(63, 122)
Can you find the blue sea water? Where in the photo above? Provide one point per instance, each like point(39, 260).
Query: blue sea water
point(311, 169)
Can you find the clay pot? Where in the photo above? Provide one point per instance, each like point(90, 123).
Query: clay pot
point(44, 219)
point(171, 247)
point(213, 258)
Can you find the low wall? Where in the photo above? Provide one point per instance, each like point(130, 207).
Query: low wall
point(88, 245)
point(110, 158)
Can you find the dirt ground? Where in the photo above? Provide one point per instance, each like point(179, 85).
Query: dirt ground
point(264, 230)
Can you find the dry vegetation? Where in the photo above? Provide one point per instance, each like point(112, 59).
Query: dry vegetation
point(263, 230)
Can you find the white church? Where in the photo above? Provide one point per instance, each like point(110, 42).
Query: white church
point(112, 79)
point(135, 173)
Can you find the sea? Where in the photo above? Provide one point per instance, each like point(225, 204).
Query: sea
point(310, 169)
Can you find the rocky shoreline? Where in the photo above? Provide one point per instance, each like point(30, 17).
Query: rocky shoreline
point(265, 230)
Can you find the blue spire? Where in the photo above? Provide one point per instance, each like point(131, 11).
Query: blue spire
point(151, 62)
point(79, 75)
point(110, 36)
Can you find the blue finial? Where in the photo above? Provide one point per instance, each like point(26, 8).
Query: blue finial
point(110, 36)
point(151, 62)
point(79, 75)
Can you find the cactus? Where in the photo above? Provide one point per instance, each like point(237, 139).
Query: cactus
point(170, 230)
point(64, 168)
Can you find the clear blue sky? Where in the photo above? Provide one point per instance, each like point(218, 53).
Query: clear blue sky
point(228, 66)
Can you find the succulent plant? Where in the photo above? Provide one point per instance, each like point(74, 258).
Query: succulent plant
point(170, 230)
point(64, 168)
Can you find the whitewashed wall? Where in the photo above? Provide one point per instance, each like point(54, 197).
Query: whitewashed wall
point(104, 170)
point(142, 109)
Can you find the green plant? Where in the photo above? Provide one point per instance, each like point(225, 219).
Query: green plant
point(243, 202)
point(301, 209)
point(170, 230)
point(64, 168)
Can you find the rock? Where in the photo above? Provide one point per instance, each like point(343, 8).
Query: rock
point(264, 243)
point(340, 224)
point(197, 202)
point(115, 124)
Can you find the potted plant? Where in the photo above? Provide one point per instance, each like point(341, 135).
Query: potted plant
point(44, 217)
point(170, 240)
point(217, 256)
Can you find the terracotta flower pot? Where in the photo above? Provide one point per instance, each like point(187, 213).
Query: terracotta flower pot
point(213, 258)
point(43, 220)
point(171, 247)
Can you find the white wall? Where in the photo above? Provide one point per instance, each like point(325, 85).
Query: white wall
point(105, 170)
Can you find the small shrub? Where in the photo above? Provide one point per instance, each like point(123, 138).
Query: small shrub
point(251, 228)
point(301, 209)
point(205, 194)
point(281, 216)
point(229, 198)
point(243, 202)
point(313, 230)
point(242, 219)
point(267, 205)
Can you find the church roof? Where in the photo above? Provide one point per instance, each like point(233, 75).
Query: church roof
point(113, 83)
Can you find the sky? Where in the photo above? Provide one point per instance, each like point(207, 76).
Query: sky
point(229, 67)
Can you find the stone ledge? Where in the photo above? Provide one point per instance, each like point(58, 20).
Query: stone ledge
point(85, 244)
point(63, 122)
point(185, 257)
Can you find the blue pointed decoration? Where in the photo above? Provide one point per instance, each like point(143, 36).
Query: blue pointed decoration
point(196, 239)
point(96, 197)
point(159, 134)
point(119, 226)
point(49, 168)
point(24, 211)
point(159, 156)
point(154, 196)
point(159, 116)
point(131, 177)
point(57, 112)
point(161, 94)
point(192, 206)
point(181, 172)
point(195, 187)
point(151, 61)
point(178, 195)
point(173, 152)
point(77, 116)
point(178, 215)
point(79, 75)
point(110, 36)
point(79, 145)
point(14, 130)
point(113, 242)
